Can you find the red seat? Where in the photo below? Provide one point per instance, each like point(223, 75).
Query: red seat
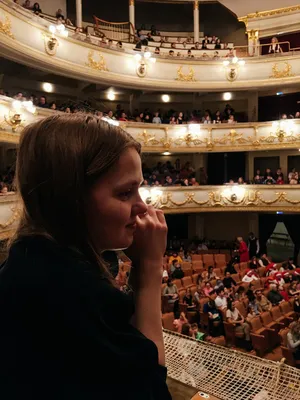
point(196, 257)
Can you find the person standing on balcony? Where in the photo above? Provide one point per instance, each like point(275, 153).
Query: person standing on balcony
point(243, 250)
point(66, 330)
point(275, 46)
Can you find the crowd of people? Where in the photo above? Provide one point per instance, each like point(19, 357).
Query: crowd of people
point(270, 178)
point(223, 292)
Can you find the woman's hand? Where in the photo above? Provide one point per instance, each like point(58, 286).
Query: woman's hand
point(148, 247)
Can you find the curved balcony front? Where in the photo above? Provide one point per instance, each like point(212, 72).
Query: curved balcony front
point(159, 138)
point(25, 38)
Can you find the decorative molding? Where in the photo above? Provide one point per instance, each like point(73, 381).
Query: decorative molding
point(269, 13)
point(196, 5)
point(131, 2)
point(190, 77)
point(50, 44)
point(223, 198)
point(97, 65)
point(286, 72)
point(5, 27)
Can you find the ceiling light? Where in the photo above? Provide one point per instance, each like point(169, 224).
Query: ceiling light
point(165, 98)
point(47, 87)
point(166, 153)
point(279, 93)
point(226, 63)
point(111, 95)
point(227, 96)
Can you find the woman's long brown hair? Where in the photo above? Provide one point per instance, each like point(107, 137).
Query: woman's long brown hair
point(59, 159)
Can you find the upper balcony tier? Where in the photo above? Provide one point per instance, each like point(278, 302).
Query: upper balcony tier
point(158, 138)
point(25, 38)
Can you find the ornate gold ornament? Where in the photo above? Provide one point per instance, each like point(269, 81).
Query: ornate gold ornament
point(15, 122)
point(269, 13)
point(196, 5)
point(15, 216)
point(189, 140)
point(232, 72)
point(142, 69)
point(166, 141)
point(282, 132)
point(5, 27)
point(233, 138)
point(97, 65)
point(190, 77)
point(226, 198)
point(50, 43)
point(147, 139)
point(286, 72)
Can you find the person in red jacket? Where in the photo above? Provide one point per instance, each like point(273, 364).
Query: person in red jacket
point(243, 250)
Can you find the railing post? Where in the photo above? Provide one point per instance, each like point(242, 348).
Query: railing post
point(132, 17)
point(196, 21)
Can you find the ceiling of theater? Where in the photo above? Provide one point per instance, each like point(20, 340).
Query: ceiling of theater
point(241, 7)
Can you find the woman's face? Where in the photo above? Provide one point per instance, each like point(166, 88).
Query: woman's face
point(114, 203)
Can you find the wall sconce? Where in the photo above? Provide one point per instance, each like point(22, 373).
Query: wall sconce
point(14, 121)
point(234, 193)
point(232, 68)
point(142, 62)
point(14, 118)
point(150, 196)
point(51, 43)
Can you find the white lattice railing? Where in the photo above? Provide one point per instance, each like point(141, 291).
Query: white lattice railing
point(228, 374)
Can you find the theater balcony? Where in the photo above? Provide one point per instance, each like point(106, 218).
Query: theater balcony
point(9, 215)
point(46, 48)
point(266, 198)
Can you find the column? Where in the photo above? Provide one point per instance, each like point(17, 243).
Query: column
point(196, 21)
point(253, 43)
point(253, 106)
point(132, 17)
point(284, 164)
point(79, 13)
point(254, 223)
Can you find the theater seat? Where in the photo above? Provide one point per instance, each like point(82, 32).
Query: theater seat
point(287, 310)
point(195, 278)
point(196, 257)
point(178, 283)
point(279, 318)
point(167, 321)
point(286, 352)
point(231, 334)
point(197, 266)
point(219, 340)
point(272, 326)
point(187, 281)
point(259, 336)
point(208, 260)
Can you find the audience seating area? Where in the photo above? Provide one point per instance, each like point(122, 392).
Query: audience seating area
point(267, 331)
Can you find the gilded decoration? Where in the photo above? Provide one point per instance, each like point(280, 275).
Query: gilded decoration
point(286, 72)
point(219, 199)
point(190, 77)
point(5, 27)
point(269, 13)
point(50, 44)
point(233, 138)
point(146, 139)
point(97, 65)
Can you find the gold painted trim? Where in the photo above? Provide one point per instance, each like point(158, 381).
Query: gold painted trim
point(189, 77)
point(286, 72)
point(5, 27)
point(269, 13)
point(196, 5)
point(97, 65)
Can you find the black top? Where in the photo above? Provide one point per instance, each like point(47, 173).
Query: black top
point(228, 282)
point(65, 331)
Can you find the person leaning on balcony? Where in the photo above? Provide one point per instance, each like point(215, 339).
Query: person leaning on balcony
point(66, 328)
point(156, 119)
point(36, 9)
point(27, 5)
point(275, 46)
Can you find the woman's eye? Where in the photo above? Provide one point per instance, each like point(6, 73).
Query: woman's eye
point(125, 195)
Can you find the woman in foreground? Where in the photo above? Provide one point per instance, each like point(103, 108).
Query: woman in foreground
point(66, 331)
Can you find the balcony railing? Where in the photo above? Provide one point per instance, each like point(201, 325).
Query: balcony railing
point(159, 138)
point(268, 198)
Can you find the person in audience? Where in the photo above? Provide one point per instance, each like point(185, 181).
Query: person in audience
point(43, 102)
point(173, 120)
point(215, 325)
point(171, 53)
point(230, 54)
point(274, 296)
point(205, 42)
point(55, 270)
point(243, 250)
point(253, 263)
point(59, 14)
point(293, 339)
point(189, 54)
point(178, 323)
point(119, 45)
point(218, 44)
point(36, 9)
point(207, 289)
point(180, 118)
point(188, 299)
point(231, 120)
point(216, 55)
point(156, 119)
point(176, 257)
point(290, 264)
point(269, 180)
point(228, 281)
point(213, 40)
point(250, 276)
point(275, 46)
point(196, 334)
point(283, 292)
point(177, 273)
point(241, 181)
point(234, 317)
point(27, 5)
point(171, 292)
point(193, 182)
point(240, 294)
point(251, 314)
point(157, 51)
point(221, 300)
point(253, 246)
point(230, 268)
point(53, 106)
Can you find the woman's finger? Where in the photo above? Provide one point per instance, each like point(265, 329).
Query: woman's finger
point(160, 216)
